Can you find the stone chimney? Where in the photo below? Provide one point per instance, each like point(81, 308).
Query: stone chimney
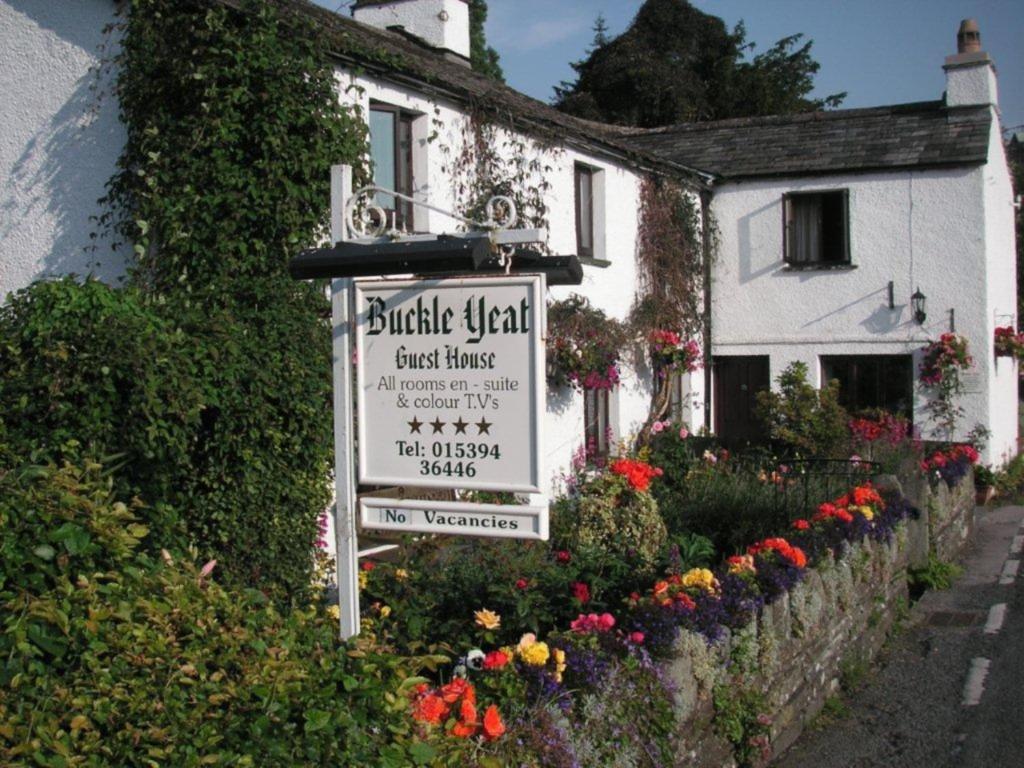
point(441, 24)
point(970, 73)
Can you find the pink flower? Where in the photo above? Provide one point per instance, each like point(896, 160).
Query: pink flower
point(657, 427)
point(207, 569)
point(562, 556)
point(636, 637)
point(683, 433)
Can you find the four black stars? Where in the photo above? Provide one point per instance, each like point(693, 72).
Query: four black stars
point(483, 427)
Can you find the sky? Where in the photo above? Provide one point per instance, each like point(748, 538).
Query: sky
point(878, 51)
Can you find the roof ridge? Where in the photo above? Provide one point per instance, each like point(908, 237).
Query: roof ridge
point(793, 117)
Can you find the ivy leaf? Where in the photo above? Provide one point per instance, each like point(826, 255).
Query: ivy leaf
point(317, 720)
point(422, 753)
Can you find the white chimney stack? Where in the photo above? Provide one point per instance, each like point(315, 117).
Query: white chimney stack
point(970, 74)
point(442, 24)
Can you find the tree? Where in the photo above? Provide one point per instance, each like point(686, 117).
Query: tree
point(482, 57)
point(677, 64)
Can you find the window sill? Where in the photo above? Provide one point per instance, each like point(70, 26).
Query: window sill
point(591, 261)
point(820, 267)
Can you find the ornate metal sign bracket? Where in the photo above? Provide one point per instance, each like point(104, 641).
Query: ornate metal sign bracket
point(368, 222)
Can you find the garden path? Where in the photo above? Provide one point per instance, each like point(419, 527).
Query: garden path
point(950, 689)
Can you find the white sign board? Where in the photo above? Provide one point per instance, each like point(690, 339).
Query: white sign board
point(453, 517)
point(450, 383)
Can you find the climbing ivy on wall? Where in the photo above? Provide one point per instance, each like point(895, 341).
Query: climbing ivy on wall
point(233, 122)
point(674, 249)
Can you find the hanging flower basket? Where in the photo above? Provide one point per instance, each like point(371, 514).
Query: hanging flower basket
point(669, 351)
point(584, 345)
point(1009, 343)
point(944, 359)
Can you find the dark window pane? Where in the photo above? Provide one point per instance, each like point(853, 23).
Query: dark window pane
point(816, 228)
point(869, 382)
point(595, 421)
point(584, 211)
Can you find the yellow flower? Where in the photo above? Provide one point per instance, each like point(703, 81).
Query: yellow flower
point(868, 512)
point(401, 574)
point(742, 564)
point(385, 611)
point(334, 612)
point(526, 641)
point(559, 656)
point(364, 578)
point(486, 619)
point(536, 655)
point(700, 578)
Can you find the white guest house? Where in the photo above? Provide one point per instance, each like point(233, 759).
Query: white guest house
point(829, 222)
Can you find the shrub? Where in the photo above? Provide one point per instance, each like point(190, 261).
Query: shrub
point(606, 512)
point(808, 421)
point(111, 657)
point(86, 369)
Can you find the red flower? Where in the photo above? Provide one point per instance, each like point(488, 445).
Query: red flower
point(368, 565)
point(637, 473)
point(493, 727)
point(456, 689)
point(801, 524)
point(562, 557)
point(495, 660)
point(636, 637)
point(522, 584)
point(429, 709)
point(580, 591)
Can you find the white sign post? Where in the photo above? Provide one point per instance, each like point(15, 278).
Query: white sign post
point(450, 390)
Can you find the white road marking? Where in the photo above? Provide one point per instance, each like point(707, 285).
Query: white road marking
point(1017, 545)
point(1010, 568)
point(996, 616)
point(975, 685)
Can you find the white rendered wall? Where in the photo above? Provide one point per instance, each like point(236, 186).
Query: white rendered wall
point(439, 136)
point(915, 228)
point(59, 140)
point(1000, 251)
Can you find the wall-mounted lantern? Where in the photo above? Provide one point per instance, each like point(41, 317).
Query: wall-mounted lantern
point(917, 300)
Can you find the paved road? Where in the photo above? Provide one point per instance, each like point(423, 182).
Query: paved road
point(950, 691)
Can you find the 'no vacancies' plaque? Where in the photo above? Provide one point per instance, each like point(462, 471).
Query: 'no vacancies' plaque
point(449, 382)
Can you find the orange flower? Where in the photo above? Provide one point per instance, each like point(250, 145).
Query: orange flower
point(429, 709)
point(457, 689)
point(468, 724)
point(493, 727)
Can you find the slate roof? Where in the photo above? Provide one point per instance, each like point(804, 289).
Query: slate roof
point(923, 134)
point(404, 60)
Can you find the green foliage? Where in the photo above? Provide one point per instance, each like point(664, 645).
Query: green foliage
point(433, 591)
point(806, 420)
point(1009, 480)
point(677, 64)
point(482, 57)
point(233, 121)
point(937, 574)
point(89, 369)
point(607, 513)
point(111, 657)
point(740, 716)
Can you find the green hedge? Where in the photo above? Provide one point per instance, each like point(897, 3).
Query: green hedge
point(90, 369)
point(109, 656)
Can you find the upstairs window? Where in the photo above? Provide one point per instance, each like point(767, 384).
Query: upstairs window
point(391, 151)
point(817, 232)
point(584, 211)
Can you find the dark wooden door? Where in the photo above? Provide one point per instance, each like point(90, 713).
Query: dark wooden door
point(737, 382)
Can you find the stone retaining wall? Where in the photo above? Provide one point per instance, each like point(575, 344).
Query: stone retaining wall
point(830, 626)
